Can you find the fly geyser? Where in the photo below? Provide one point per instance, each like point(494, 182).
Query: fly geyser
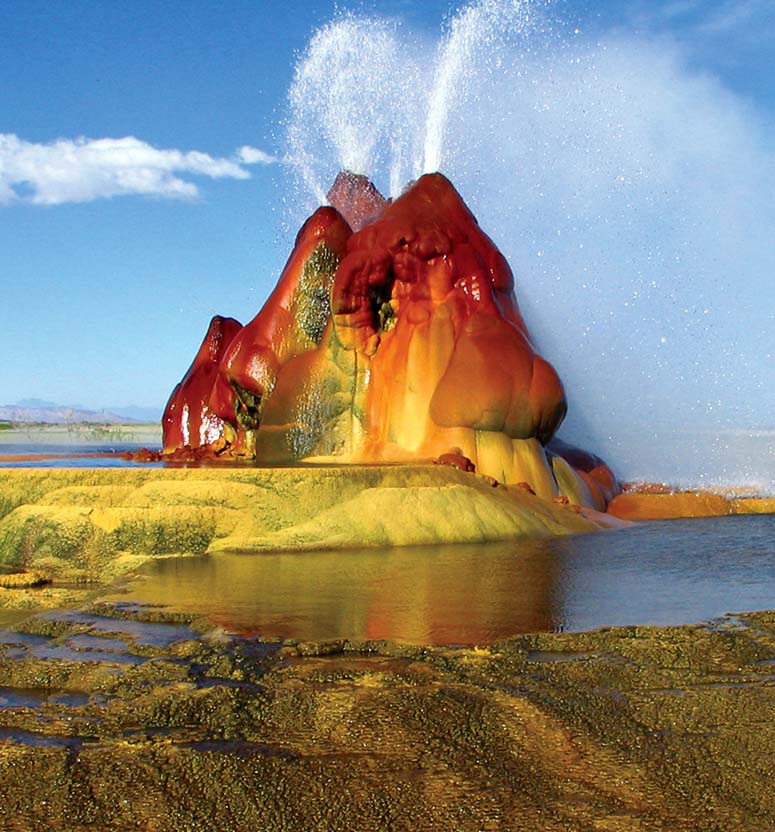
point(393, 335)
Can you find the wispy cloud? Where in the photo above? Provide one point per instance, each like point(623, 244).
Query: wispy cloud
point(678, 8)
point(742, 23)
point(253, 156)
point(83, 170)
point(738, 17)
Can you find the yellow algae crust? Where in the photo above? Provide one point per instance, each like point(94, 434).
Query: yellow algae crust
point(91, 525)
point(22, 580)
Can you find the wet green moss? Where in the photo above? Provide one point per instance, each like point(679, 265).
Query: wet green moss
point(32, 534)
point(247, 407)
point(165, 530)
point(311, 305)
point(46, 675)
point(14, 494)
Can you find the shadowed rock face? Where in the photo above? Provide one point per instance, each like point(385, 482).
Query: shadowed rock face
point(401, 341)
point(356, 199)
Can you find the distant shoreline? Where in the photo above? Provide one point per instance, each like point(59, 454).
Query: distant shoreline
point(79, 433)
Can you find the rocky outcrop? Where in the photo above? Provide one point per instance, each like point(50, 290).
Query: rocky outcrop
point(393, 335)
point(189, 422)
point(356, 199)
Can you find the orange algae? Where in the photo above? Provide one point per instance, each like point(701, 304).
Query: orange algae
point(662, 503)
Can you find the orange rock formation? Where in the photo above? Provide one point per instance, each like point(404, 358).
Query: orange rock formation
point(401, 341)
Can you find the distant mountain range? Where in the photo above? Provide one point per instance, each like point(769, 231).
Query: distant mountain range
point(38, 410)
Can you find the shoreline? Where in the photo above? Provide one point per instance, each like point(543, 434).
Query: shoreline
point(87, 526)
point(638, 500)
point(91, 525)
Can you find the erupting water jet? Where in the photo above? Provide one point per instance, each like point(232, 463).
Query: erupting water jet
point(640, 234)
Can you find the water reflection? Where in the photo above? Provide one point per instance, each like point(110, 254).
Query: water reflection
point(445, 594)
point(661, 573)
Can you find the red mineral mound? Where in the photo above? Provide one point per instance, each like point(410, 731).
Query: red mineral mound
point(402, 341)
point(427, 299)
point(188, 421)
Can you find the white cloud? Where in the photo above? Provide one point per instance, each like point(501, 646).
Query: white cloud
point(253, 156)
point(82, 170)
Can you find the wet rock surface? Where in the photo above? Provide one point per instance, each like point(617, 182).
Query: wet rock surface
point(649, 502)
point(119, 716)
point(393, 335)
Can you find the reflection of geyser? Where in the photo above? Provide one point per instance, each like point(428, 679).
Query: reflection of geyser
point(458, 594)
point(478, 594)
point(632, 198)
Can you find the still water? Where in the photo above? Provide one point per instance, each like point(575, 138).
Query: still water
point(75, 445)
point(71, 455)
point(671, 572)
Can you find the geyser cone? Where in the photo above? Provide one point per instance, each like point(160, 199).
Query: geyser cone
point(356, 198)
point(426, 293)
point(402, 341)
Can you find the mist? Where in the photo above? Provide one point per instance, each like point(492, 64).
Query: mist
point(632, 195)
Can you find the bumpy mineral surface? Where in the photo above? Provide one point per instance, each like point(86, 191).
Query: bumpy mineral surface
point(84, 526)
point(114, 717)
point(398, 341)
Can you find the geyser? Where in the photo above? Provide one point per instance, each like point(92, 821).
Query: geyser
point(400, 341)
point(632, 195)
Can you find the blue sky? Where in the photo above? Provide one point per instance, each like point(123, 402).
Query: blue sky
point(115, 254)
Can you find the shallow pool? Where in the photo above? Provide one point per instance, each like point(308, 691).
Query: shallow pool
point(671, 572)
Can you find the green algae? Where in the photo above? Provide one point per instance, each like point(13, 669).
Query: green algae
point(247, 407)
point(311, 304)
point(622, 729)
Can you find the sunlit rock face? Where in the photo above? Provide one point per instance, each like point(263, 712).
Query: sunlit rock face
point(393, 335)
point(425, 302)
point(188, 421)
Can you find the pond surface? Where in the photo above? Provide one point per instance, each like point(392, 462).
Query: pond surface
point(71, 455)
point(670, 572)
